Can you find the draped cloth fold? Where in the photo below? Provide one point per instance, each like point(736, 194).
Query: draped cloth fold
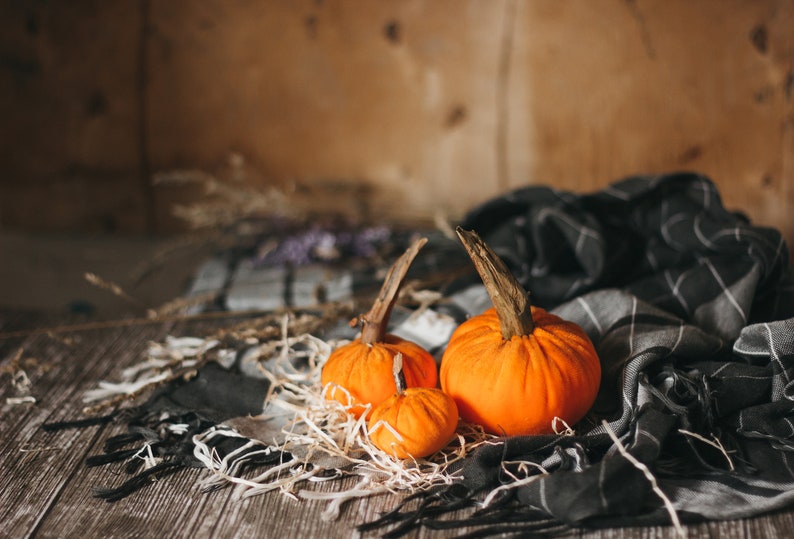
point(690, 308)
point(666, 239)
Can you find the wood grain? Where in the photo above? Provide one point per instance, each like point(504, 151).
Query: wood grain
point(69, 99)
point(386, 110)
point(46, 487)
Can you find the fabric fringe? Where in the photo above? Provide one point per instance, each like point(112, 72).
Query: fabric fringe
point(428, 510)
point(140, 480)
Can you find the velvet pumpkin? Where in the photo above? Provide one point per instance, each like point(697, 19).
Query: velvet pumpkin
point(414, 422)
point(515, 368)
point(364, 371)
point(361, 372)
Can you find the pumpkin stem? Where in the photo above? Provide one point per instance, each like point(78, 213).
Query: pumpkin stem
point(399, 375)
point(374, 323)
point(509, 298)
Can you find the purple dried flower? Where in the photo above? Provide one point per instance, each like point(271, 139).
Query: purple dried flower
point(318, 244)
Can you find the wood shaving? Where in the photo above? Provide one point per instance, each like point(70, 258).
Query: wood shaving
point(17, 369)
point(326, 441)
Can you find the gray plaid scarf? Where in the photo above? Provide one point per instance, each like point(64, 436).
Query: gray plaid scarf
point(690, 308)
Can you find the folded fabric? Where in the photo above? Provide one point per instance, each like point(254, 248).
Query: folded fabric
point(159, 434)
point(666, 239)
point(690, 309)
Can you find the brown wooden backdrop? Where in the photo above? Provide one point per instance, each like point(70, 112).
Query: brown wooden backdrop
point(385, 109)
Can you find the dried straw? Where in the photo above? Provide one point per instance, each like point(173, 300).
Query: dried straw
point(327, 441)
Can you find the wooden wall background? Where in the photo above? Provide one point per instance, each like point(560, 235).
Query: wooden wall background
point(385, 109)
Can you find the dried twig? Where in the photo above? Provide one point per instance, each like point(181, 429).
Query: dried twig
point(714, 442)
point(111, 287)
point(181, 304)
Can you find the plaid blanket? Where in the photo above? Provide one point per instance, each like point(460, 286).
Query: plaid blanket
point(691, 310)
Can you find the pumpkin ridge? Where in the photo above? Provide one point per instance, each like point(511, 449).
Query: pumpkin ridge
point(575, 376)
point(554, 368)
point(492, 376)
point(505, 372)
point(483, 347)
point(534, 391)
point(430, 407)
point(471, 329)
point(577, 346)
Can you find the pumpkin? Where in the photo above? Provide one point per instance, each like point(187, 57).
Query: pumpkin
point(515, 368)
point(360, 372)
point(414, 422)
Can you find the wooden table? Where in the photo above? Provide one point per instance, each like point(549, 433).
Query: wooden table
point(46, 486)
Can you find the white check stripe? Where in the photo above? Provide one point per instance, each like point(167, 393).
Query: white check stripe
point(726, 290)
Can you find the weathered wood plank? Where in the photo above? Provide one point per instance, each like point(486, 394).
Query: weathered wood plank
point(173, 505)
point(47, 488)
point(387, 109)
point(39, 464)
point(70, 102)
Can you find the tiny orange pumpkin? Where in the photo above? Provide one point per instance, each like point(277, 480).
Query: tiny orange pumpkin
point(414, 422)
point(515, 368)
point(360, 372)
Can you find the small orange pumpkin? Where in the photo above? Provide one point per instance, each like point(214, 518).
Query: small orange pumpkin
point(414, 422)
point(360, 372)
point(515, 368)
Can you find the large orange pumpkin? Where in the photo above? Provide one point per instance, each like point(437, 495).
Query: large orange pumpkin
point(515, 368)
point(361, 372)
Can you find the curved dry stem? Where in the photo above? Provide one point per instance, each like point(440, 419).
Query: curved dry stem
point(374, 323)
point(509, 298)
